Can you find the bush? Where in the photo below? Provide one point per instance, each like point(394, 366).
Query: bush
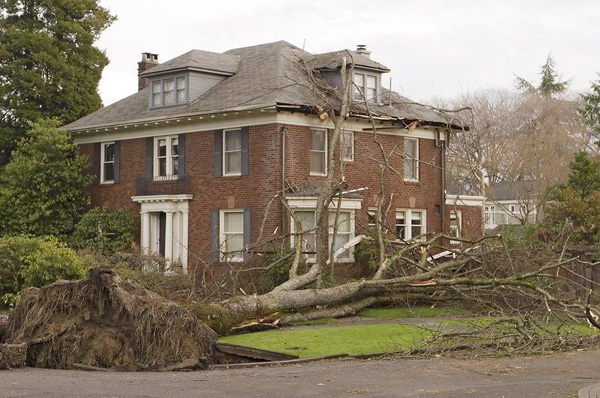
point(27, 262)
point(104, 232)
point(276, 266)
point(367, 251)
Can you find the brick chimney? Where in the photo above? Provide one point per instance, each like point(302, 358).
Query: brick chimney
point(362, 50)
point(149, 60)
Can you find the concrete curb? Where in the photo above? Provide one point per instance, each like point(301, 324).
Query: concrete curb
point(592, 391)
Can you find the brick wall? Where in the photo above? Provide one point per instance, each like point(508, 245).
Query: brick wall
point(264, 179)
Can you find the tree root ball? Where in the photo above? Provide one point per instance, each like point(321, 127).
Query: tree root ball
point(106, 322)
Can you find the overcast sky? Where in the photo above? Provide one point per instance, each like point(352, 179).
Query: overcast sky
point(434, 48)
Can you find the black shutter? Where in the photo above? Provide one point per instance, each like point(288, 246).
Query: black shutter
point(181, 156)
point(149, 157)
point(214, 236)
point(247, 233)
point(117, 164)
point(245, 139)
point(96, 163)
point(218, 153)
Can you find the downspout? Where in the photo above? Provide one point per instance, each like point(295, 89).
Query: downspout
point(283, 131)
point(443, 193)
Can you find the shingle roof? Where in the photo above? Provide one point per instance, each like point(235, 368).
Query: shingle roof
point(265, 75)
point(333, 60)
point(505, 190)
point(198, 59)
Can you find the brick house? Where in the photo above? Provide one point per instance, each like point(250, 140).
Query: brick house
point(209, 138)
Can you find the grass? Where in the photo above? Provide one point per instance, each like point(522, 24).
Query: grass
point(353, 340)
point(412, 312)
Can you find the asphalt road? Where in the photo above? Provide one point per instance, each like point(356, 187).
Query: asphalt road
point(559, 375)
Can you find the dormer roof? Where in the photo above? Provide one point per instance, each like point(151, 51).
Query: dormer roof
point(333, 61)
point(198, 60)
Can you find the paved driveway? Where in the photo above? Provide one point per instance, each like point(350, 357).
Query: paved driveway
point(559, 375)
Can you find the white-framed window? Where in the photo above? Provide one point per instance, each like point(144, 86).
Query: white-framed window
point(490, 215)
point(371, 219)
point(371, 88)
point(318, 153)
point(410, 223)
point(366, 84)
point(411, 159)
point(168, 92)
point(181, 90)
point(455, 225)
point(156, 93)
point(357, 87)
point(512, 208)
point(345, 232)
point(232, 152)
point(347, 146)
point(308, 221)
point(231, 235)
point(166, 158)
point(107, 168)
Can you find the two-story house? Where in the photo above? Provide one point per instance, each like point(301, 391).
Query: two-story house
point(209, 138)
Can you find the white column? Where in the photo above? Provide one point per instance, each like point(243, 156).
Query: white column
point(184, 239)
point(169, 236)
point(176, 236)
point(145, 233)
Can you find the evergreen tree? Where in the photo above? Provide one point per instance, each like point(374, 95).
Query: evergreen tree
point(550, 83)
point(49, 67)
point(591, 109)
point(43, 188)
point(585, 175)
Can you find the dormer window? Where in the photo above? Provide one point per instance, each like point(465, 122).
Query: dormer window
point(366, 84)
point(169, 91)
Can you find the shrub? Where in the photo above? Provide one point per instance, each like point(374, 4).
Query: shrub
point(104, 232)
point(367, 251)
point(27, 262)
point(276, 266)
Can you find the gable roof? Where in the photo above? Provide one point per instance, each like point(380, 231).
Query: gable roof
point(265, 75)
point(198, 60)
point(505, 190)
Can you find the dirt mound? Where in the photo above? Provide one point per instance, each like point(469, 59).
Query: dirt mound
point(107, 322)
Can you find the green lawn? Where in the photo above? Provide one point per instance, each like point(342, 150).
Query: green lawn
point(319, 321)
point(411, 312)
point(307, 343)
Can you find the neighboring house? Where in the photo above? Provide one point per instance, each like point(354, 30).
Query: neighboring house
point(209, 138)
point(508, 203)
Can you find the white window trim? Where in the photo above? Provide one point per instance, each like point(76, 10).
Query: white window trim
point(351, 134)
point(238, 257)
point(312, 173)
point(169, 156)
point(103, 162)
point(407, 214)
point(460, 227)
point(225, 151)
point(352, 233)
point(362, 94)
point(161, 82)
point(372, 211)
point(416, 160)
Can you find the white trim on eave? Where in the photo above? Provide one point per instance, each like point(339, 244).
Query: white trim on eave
point(464, 200)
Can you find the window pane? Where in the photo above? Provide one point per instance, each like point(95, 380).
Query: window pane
point(416, 231)
point(162, 167)
point(317, 141)
point(233, 140)
point(371, 82)
point(174, 147)
point(358, 87)
point(175, 163)
point(372, 222)
point(233, 222)
point(109, 171)
point(233, 162)
point(181, 83)
point(416, 217)
point(162, 148)
point(401, 224)
point(169, 92)
point(180, 96)
point(307, 218)
point(109, 152)
point(343, 224)
point(156, 87)
point(317, 162)
point(234, 242)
